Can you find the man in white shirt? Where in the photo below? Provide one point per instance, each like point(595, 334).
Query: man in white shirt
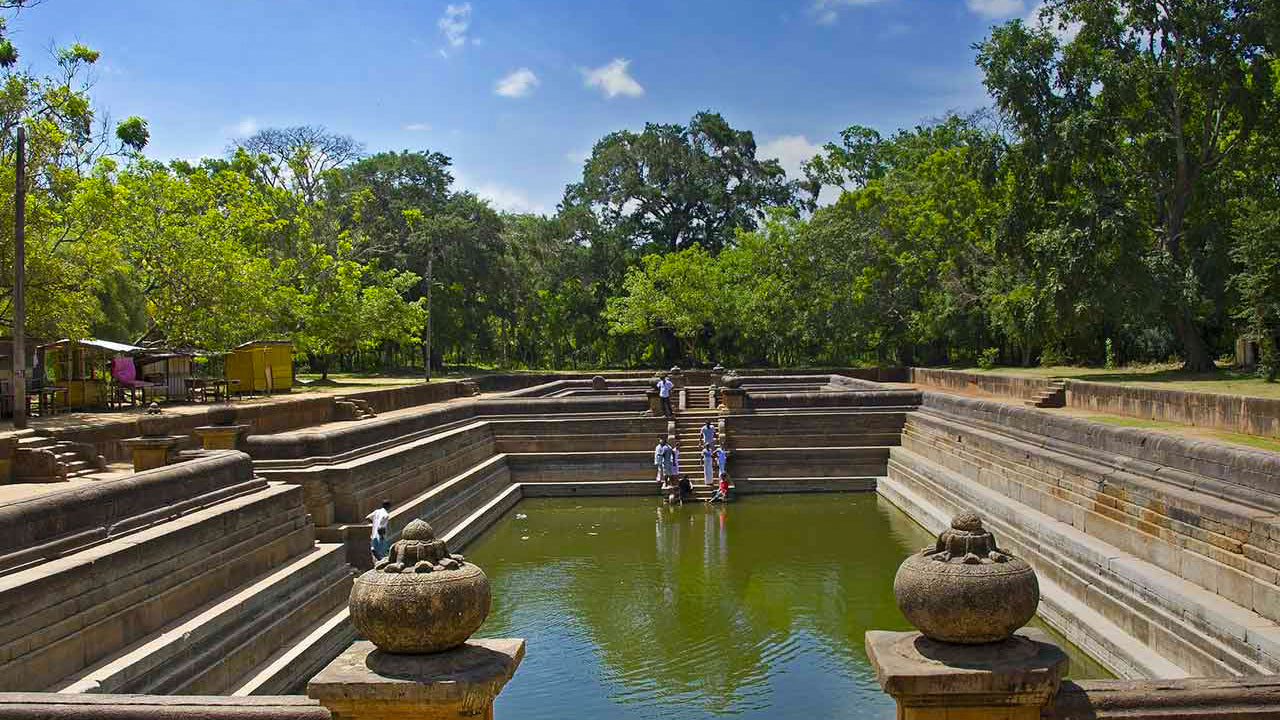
point(664, 394)
point(722, 460)
point(708, 434)
point(657, 457)
point(378, 530)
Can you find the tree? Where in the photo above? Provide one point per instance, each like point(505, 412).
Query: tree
point(681, 292)
point(65, 261)
point(347, 305)
point(297, 158)
point(673, 185)
point(1167, 93)
point(192, 241)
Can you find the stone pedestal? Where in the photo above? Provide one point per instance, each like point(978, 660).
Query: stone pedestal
point(676, 376)
point(221, 437)
point(930, 680)
point(153, 451)
point(655, 403)
point(734, 399)
point(365, 683)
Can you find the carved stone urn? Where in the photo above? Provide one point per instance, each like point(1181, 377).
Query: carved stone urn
point(964, 589)
point(419, 599)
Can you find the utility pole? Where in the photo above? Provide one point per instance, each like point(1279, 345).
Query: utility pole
point(19, 281)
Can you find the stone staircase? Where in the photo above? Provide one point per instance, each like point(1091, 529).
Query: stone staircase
point(688, 439)
point(1055, 396)
point(44, 459)
point(348, 408)
point(205, 591)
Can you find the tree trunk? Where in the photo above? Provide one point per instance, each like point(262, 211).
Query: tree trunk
point(1195, 352)
point(426, 331)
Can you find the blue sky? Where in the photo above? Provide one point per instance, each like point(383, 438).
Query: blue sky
point(518, 92)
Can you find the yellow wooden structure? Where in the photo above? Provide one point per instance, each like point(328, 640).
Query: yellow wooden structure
point(83, 367)
point(261, 366)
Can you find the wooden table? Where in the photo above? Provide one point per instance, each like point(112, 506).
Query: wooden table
point(46, 399)
point(199, 389)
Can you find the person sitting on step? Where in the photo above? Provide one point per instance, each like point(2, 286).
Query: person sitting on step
point(722, 493)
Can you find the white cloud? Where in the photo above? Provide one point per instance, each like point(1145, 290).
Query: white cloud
point(1064, 34)
point(454, 25)
point(244, 128)
point(996, 8)
point(501, 197)
point(417, 127)
point(828, 11)
point(613, 79)
point(517, 84)
point(790, 151)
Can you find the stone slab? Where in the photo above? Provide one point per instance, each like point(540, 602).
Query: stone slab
point(367, 682)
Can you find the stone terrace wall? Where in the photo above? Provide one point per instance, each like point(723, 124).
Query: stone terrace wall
point(44, 706)
point(53, 524)
point(1234, 413)
point(139, 573)
point(1002, 385)
point(334, 441)
point(836, 399)
point(815, 429)
point(1158, 555)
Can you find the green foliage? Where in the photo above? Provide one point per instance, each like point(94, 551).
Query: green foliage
point(133, 133)
point(674, 185)
point(989, 358)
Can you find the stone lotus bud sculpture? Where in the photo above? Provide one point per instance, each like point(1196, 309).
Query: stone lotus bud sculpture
point(964, 589)
point(421, 598)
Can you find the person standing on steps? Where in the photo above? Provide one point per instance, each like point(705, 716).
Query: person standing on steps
point(657, 458)
point(378, 530)
point(675, 458)
point(668, 462)
point(664, 394)
point(722, 461)
point(707, 455)
point(708, 434)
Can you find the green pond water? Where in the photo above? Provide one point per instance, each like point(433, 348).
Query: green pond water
point(633, 609)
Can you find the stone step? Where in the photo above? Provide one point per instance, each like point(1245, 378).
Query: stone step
point(1204, 633)
point(95, 601)
point(288, 670)
point(835, 483)
point(170, 659)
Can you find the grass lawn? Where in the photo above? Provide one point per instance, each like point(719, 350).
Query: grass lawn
point(1253, 441)
point(1225, 381)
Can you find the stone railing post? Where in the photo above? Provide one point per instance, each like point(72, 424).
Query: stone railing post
point(677, 377)
point(154, 447)
point(970, 660)
point(222, 432)
point(417, 608)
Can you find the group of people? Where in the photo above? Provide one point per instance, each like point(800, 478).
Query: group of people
point(675, 485)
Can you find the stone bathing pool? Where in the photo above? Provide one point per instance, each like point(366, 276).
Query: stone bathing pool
point(756, 609)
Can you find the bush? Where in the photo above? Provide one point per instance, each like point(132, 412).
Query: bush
point(989, 358)
point(1111, 355)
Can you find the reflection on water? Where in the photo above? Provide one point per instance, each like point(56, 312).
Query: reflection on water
point(633, 609)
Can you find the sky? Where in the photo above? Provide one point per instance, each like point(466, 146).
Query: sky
point(517, 93)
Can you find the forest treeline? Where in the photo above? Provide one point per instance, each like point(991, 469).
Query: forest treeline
point(1120, 201)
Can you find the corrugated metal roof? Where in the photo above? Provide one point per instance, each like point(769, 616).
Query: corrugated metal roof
point(100, 344)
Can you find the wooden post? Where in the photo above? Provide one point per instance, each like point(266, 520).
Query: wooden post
point(19, 281)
